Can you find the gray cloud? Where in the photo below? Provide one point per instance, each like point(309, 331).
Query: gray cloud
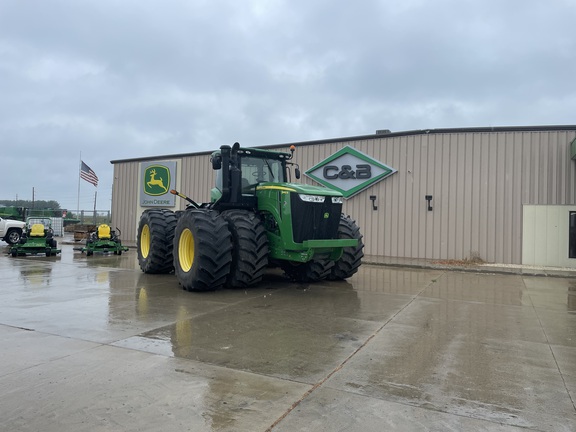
point(116, 80)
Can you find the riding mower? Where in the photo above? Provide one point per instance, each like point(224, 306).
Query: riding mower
point(103, 240)
point(38, 238)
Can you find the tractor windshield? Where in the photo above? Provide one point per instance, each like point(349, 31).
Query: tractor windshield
point(258, 170)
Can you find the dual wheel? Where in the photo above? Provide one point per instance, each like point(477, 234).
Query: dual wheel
point(206, 249)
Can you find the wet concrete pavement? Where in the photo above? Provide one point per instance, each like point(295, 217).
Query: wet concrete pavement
point(93, 344)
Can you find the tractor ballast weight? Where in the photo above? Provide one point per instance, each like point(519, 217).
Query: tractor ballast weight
point(38, 238)
point(256, 218)
point(103, 240)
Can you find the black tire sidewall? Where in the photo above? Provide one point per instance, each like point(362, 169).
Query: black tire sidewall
point(212, 250)
point(161, 224)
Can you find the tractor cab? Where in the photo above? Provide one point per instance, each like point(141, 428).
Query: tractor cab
point(240, 171)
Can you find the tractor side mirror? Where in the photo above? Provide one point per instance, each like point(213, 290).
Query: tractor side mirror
point(216, 162)
point(297, 172)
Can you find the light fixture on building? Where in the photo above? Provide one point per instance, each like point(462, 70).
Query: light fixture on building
point(429, 199)
point(373, 199)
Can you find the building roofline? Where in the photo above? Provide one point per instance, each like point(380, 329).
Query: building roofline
point(379, 134)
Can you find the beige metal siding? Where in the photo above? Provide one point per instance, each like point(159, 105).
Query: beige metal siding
point(125, 198)
point(479, 181)
point(197, 178)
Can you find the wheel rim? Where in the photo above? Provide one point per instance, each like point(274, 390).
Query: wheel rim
point(186, 250)
point(14, 237)
point(145, 241)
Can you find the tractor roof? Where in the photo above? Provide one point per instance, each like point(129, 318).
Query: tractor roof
point(259, 153)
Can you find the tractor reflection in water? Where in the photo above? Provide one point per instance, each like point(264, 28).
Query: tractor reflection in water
point(38, 238)
point(103, 240)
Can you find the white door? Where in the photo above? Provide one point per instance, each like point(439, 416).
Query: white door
point(546, 235)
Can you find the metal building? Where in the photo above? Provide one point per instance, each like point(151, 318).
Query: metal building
point(502, 194)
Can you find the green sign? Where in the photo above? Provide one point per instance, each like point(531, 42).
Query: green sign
point(349, 171)
point(157, 180)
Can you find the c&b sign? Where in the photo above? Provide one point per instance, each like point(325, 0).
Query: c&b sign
point(349, 171)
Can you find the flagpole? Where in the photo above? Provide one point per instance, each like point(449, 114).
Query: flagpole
point(95, 193)
point(78, 202)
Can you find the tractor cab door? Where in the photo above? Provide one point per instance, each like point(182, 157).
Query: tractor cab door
point(258, 170)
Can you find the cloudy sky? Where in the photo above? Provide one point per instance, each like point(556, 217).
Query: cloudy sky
point(117, 79)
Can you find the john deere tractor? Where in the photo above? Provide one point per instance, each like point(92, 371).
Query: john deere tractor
point(255, 219)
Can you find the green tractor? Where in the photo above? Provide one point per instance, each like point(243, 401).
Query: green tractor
point(256, 219)
point(38, 238)
point(103, 240)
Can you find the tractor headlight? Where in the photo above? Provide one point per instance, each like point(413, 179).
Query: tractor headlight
point(312, 198)
point(337, 200)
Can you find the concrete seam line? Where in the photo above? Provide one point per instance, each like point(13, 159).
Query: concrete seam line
point(553, 355)
point(347, 359)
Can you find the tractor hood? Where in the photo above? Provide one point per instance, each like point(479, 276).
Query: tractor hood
point(299, 188)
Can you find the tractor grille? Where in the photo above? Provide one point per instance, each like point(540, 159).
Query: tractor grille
point(309, 221)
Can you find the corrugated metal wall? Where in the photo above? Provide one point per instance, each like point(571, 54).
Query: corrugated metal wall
point(479, 182)
point(125, 198)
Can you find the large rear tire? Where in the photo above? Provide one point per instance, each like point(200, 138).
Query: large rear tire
point(250, 248)
point(202, 250)
point(155, 241)
point(352, 256)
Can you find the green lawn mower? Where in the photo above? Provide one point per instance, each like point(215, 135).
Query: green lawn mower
point(38, 238)
point(104, 240)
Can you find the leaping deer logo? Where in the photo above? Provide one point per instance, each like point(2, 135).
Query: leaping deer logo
point(156, 181)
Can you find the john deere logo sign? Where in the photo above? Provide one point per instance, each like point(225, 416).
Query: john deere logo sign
point(157, 180)
point(349, 171)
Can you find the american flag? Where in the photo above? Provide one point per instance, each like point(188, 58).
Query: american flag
point(87, 174)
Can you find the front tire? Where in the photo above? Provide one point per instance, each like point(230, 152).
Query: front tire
point(155, 241)
point(202, 250)
point(312, 271)
point(351, 258)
